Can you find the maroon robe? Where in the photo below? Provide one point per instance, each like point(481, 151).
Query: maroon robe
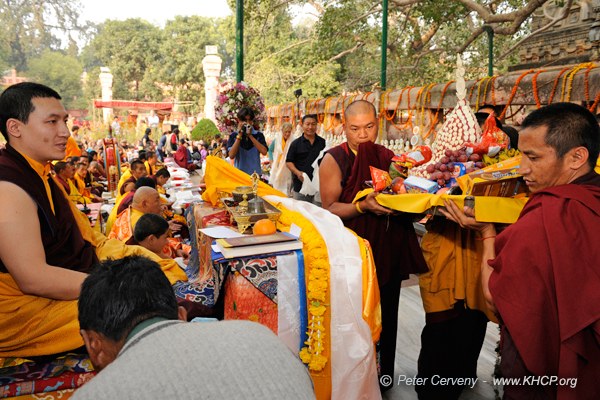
point(63, 243)
point(546, 287)
point(126, 201)
point(130, 180)
point(181, 158)
point(64, 183)
point(396, 251)
point(395, 247)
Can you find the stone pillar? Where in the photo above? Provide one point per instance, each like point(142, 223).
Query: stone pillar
point(106, 80)
point(211, 64)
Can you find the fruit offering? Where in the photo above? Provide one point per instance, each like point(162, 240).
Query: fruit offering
point(503, 155)
point(454, 163)
point(264, 227)
point(398, 186)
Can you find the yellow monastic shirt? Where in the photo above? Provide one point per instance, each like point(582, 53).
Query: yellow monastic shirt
point(43, 171)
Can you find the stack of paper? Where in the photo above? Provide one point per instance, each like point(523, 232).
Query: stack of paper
point(249, 245)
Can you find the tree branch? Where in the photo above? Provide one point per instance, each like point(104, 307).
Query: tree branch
point(358, 45)
point(474, 35)
point(317, 6)
point(291, 46)
point(553, 22)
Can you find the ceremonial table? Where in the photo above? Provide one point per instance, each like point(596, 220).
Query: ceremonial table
point(247, 287)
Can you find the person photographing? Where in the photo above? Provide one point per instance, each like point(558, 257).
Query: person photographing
point(247, 144)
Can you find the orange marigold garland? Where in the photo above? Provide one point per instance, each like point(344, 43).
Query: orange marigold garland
point(437, 112)
point(480, 83)
point(494, 90)
point(553, 91)
point(393, 116)
point(586, 83)
point(513, 92)
point(485, 89)
point(471, 90)
point(314, 354)
point(592, 108)
point(536, 95)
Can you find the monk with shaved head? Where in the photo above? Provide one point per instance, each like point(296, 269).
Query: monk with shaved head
point(342, 174)
point(146, 200)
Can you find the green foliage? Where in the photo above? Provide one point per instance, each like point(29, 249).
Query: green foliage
point(338, 52)
point(29, 27)
point(62, 73)
point(182, 50)
point(204, 130)
point(129, 48)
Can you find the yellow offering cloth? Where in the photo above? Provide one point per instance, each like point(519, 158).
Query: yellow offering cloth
point(504, 210)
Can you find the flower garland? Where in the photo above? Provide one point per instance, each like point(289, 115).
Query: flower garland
point(478, 98)
point(592, 108)
point(342, 110)
point(489, 79)
point(329, 127)
point(418, 102)
point(553, 91)
point(437, 112)
point(494, 90)
point(384, 110)
point(316, 259)
point(231, 98)
point(472, 90)
point(513, 92)
point(425, 98)
point(400, 121)
point(536, 96)
point(586, 83)
point(566, 93)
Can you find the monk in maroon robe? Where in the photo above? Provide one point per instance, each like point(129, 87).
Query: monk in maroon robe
point(542, 274)
point(396, 251)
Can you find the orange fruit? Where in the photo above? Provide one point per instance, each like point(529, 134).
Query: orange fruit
point(264, 227)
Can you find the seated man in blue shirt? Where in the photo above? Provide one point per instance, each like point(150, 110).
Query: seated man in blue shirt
point(247, 144)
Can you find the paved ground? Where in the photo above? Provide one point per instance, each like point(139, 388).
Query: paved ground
point(411, 322)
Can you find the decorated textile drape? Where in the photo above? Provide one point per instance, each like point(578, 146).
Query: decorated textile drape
point(350, 306)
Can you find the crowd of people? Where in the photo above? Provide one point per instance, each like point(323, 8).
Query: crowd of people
point(538, 277)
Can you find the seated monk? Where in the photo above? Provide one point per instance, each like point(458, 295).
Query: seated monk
point(97, 171)
point(183, 157)
point(150, 163)
point(146, 200)
point(136, 171)
point(152, 232)
point(64, 175)
point(83, 181)
point(128, 198)
point(161, 177)
point(125, 185)
point(46, 245)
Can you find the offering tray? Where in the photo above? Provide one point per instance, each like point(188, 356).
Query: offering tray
point(241, 213)
point(242, 217)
